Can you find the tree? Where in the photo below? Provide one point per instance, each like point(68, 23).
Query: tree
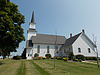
point(96, 49)
point(11, 32)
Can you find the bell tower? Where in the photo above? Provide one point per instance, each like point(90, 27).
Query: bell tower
point(32, 28)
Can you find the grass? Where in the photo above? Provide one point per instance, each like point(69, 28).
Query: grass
point(40, 69)
point(9, 67)
point(30, 69)
point(46, 67)
point(68, 68)
point(21, 70)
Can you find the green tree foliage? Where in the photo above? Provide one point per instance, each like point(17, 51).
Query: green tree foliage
point(48, 55)
point(11, 32)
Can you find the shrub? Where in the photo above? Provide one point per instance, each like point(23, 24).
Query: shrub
point(59, 58)
point(36, 55)
point(52, 58)
point(44, 58)
point(79, 60)
point(65, 59)
point(37, 58)
point(40, 58)
point(80, 57)
point(75, 59)
point(17, 57)
point(90, 58)
point(48, 55)
point(71, 55)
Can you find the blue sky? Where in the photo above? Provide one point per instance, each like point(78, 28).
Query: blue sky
point(61, 16)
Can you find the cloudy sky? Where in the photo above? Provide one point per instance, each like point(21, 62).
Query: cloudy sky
point(61, 16)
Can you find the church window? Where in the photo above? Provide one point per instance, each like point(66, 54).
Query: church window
point(79, 50)
point(89, 50)
point(48, 49)
point(38, 49)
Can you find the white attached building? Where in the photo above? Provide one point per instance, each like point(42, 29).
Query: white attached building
point(79, 44)
point(56, 45)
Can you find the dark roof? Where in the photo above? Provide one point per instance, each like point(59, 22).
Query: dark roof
point(71, 40)
point(48, 39)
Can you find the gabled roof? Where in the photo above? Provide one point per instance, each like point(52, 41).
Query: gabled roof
point(90, 41)
point(48, 39)
point(71, 40)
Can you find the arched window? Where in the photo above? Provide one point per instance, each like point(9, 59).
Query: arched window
point(79, 50)
point(47, 49)
point(38, 49)
point(89, 50)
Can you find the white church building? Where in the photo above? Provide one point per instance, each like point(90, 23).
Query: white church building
point(56, 45)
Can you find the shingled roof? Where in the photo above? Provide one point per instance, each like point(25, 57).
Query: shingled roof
point(71, 40)
point(48, 39)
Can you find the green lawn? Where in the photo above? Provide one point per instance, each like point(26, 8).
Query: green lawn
point(46, 67)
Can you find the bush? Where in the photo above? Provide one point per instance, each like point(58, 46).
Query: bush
point(37, 58)
point(52, 58)
point(75, 60)
point(17, 57)
point(59, 58)
point(80, 57)
point(79, 60)
point(90, 58)
point(48, 55)
point(44, 58)
point(70, 56)
point(65, 59)
point(36, 55)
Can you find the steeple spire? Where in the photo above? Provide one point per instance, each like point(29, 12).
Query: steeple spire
point(32, 19)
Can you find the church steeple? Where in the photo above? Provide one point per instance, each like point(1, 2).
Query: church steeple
point(32, 28)
point(32, 23)
point(32, 19)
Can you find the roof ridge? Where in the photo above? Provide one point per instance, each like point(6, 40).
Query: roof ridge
point(50, 35)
